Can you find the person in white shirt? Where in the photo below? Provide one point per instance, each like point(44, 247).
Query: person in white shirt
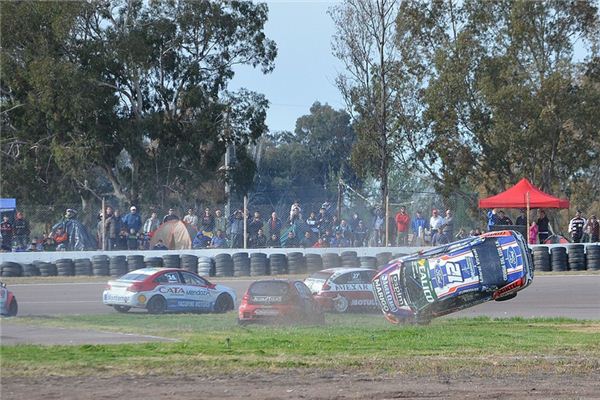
point(435, 223)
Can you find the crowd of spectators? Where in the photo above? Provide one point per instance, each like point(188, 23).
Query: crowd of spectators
point(300, 228)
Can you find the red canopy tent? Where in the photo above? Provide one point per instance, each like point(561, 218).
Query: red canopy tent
point(523, 195)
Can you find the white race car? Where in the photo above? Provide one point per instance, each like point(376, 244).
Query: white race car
point(160, 290)
point(8, 302)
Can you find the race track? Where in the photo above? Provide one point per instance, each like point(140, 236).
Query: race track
point(571, 296)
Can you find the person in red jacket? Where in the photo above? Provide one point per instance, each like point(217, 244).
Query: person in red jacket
point(402, 224)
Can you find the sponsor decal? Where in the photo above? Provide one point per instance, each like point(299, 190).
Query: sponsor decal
point(363, 302)
point(397, 290)
point(511, 257)
point(189, 304)
point(425, 282)
point(502, 261)
point(389, 299)
point(116, 297)
point(197, 292)
point(171, 290)
point(379, 294)
point(352, 287)
point(267, 299)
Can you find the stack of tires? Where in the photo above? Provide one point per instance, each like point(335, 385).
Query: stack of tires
point(558, 257)
point(259, 264)
point(576, 254)
point(593, 257)
point(331, 260)
point(65, 267)
point(189, 262)
point(368, 262)
point(383, 259)
point(205, 266)
point(241, 264)
point(30, 270)
point(350, 259)
point(314, 263)
point(171, 261)
point(9, 269)
point(100, 265)
point(153, 262)
point(135, 262)
point(117, 266)
point(541, 258)
point(45, 268)
point(278, 264)
point(296, 263)
point(83, 267)
point(223, 265)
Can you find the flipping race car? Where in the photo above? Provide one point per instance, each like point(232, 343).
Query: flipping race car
point(449, 278)
point(8, 302)
point(279, 300)
point(160, 290)
point(343, 289)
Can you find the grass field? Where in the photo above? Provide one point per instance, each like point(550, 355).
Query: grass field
point(215, 344)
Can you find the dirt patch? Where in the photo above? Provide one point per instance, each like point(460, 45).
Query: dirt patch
point(303, 385)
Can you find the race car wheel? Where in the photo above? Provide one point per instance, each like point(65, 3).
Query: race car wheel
point(224, 303)
point(340, 304)
point(510, 296)
point(122, 309)
point(13, 308)
point(157, 305)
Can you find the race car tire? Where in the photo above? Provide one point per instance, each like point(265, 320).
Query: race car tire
point(157, 305)
point(122, 309)
point(340, 304)
point(13, 309)
point(223, 304)
point(509, 297)
point(11, 269)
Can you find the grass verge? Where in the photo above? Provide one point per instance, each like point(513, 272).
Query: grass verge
point(215, 344)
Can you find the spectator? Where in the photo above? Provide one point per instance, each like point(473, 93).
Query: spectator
point(544, 228)
point(171, 216)
point(311, 221)
point(307, 240)
point(448, 227)
point(150, 225)
point(576, 226)
point(60, 238)
point(323, 220)
point(533, 233)
point(593, 229)
point(522, 218)
point(133, 220)
point(295, 212)
point(201, 241)
point(503, 219)
point(335, 223)
point(132, 240)
point(402, 223)
point(361, 234)
point(112, 227)
point(274, 224)
point(273, 241)
point(327, 235)
point(160, 245)
point(378, 226)
point(6, 229)
point(254, 226)
point(236, 229)
point(354, 221)
point(220, 222)
point(492, 218)
point(123, 238)
point(207, 222)
point(219, 241)
point(419, 225)
point(435, 222)
point(291, 240)
point(344, 229)
point(461, 234)
point(321, 243)
point(339, 241)
point(191, 218)
point(259, 241)
point(21, 232)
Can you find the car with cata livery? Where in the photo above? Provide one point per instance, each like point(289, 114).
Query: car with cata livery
point(160, 290)
point(449, 278)
point(279, 300)
point(8, 302)
point(343, 289)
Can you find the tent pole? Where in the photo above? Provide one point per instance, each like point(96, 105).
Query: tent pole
point(527, 230)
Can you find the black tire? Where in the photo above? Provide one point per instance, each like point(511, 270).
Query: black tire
point(157, 305)
point(13, 309)
point(122, 309)
point(223, 304)
point(509, 297)
point(341, 304)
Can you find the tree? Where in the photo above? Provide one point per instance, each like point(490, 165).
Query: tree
point(365, 43)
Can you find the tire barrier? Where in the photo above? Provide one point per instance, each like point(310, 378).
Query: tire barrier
point(576, 256)
point(571, 257)
point(241, 264)
point(541, 258)
point(593, 257)
point(558, 258)
point(189, 262)
point(277, 264)
point(135, 262)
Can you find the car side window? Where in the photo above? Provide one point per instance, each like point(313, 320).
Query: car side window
point(190, 279)
point(168, 277)
point(355, 277)
point(303, 290)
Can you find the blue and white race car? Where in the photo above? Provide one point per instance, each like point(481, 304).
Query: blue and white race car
point(160, 290)
point(445, 279)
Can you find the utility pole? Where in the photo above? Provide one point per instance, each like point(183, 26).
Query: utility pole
point(229, 160)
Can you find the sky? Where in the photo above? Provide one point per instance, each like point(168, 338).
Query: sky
point(305, 70)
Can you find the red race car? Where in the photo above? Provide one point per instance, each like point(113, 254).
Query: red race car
point(343, 289)
point(279, 300)
point(8, 302)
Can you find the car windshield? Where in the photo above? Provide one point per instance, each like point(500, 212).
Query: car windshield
point(412, 282)
point(133, 277)
point(272, 288)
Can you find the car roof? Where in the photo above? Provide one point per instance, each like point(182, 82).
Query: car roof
point(342, 270)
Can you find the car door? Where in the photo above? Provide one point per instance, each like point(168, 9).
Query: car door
point(306, 298)
point(198, 292)
point(172, 289)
